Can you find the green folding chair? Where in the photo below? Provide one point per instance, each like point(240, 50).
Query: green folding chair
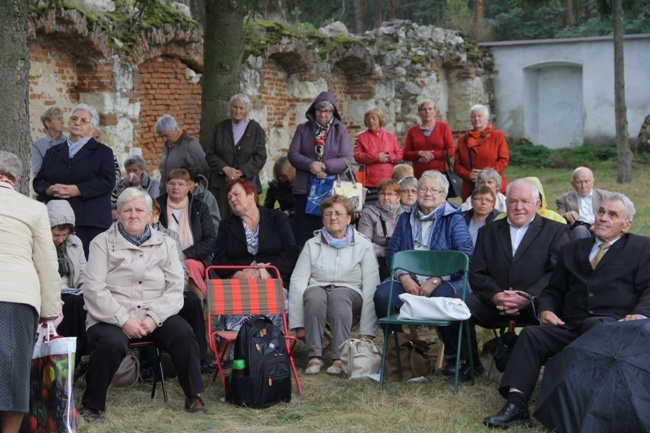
point(422, 262)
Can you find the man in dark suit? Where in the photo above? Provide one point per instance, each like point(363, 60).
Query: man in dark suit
point(596, 280)
point(513, 256)
point(579, 206)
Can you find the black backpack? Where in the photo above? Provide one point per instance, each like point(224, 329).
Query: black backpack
point(267, 378)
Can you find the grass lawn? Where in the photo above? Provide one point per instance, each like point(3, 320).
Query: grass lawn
point(332, 404)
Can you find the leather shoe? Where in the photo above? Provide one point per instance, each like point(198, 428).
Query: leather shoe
point(464, 374)
point(91, 415)
point(194, 404)
point(509, 416)
point(450, 367)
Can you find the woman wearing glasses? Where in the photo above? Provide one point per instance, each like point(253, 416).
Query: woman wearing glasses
point(190, 219)
point(482, 211)
point(334, 280)
point(319, 147)
point(80, 170)
point(432, 223)
point(378, 221)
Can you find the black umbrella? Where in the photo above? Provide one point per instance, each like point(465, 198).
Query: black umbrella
point(600, 382)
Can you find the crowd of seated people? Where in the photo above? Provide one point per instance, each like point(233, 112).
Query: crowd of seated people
point(336, 267)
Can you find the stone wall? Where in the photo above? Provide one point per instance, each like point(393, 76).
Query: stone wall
point(391, 68)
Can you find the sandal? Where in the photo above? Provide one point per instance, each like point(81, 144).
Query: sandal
point(336, 369)
point(314, 366)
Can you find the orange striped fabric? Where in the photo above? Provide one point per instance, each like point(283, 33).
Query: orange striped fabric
point(233, 296)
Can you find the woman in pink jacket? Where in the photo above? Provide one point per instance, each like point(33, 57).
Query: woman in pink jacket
point(378, 149)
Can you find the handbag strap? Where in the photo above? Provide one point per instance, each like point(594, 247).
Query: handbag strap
point(446, 158)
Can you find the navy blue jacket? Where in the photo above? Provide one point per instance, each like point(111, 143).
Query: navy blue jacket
point(449, 233)
point(93, 171)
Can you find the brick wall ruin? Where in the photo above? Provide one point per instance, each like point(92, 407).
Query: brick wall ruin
point(392, 69)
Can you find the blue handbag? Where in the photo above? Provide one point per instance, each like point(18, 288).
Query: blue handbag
point(318, 190)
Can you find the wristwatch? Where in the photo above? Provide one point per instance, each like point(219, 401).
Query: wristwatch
point(436, 281)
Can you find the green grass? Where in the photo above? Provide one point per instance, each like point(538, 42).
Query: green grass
point(331, 404)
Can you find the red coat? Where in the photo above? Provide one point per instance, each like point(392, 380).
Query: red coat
point(439, 139)
point(489, 150)
point(367, 147)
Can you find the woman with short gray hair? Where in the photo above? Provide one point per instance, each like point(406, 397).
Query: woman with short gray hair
point(137, 177)
point(81, 171)
point(433, 224)
point(180, 149)
point(237, 150)
point(490, 178)
point(482, 147)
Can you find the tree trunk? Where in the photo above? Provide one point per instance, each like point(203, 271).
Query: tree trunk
point(223, 48)
point(622, 143)
point(570, 18)
point(357, 11)
point(479, 11)
point(14, 85)
point(394, 6)
point(379, 18)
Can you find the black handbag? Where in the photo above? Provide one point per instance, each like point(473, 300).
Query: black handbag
point(455, 183)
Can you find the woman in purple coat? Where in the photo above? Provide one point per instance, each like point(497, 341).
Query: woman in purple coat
point(319, 147)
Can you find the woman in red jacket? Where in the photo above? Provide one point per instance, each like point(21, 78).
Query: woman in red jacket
point(483, 147)
point(378, 149)
point(425, 143)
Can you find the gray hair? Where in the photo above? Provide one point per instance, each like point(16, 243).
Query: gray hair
point(518, 183)
point(481, 107)
point(10, 165)
point(133, 193)
point(323, 104)
point(490, 173)
point(630, 210)
point(166, 123)
point(438, 177)
point(94, 115)
point(135, 159)
point(241, 98)
point(408, 180)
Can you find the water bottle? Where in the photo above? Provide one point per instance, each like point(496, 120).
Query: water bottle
point(239, 367)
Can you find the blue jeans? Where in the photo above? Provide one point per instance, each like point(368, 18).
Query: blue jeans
point(381, 309)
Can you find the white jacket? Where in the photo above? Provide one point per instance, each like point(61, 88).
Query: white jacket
point(354, 266)
point(29, 271)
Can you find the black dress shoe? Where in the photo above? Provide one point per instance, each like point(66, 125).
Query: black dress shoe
point(450, 367)
point(207, 367)
point(509, 416)
point(465, 376)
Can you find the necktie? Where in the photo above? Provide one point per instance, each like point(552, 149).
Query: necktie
point(599, 255)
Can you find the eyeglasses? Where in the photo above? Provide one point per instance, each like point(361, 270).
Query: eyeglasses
point(324, 111)
point(483, 199)
point(83, 120)
point(387, 194)
point(178, 184)
point(410, 191)
point(337, 215)
point(431, 191)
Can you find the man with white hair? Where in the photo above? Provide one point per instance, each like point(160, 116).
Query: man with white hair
point(580, 206)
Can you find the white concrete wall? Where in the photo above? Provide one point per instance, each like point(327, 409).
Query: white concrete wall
point(537, 90)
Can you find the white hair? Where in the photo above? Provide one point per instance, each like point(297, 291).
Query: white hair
point(94, 115)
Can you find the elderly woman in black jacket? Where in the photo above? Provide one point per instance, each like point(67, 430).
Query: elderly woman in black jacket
point(80, 170)
point(190, 219)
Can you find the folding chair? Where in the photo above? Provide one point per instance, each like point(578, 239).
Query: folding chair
point(428, 263)
point(157, 374)
point(234, 297)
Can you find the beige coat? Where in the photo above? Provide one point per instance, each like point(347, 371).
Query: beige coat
point(125, 281)
point(28, 264)
point(77, 260)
